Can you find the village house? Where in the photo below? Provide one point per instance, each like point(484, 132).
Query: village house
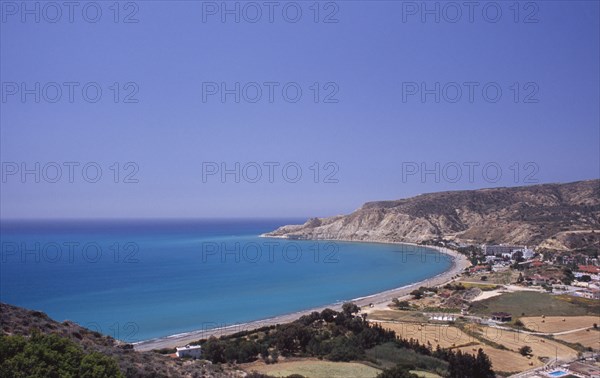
point(538, 279)
point(478, 269)
point(525, 253)
point(192, 351)
point(510, 252)
point(589, 294)
point(585, 369)
point(498, 250)
point(501, 317)
point(588, 270)
point(535, 263)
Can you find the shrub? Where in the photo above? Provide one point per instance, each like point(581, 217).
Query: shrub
point(525, 350)
point(52, 356)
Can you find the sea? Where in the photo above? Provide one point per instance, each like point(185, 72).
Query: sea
point(143, 279)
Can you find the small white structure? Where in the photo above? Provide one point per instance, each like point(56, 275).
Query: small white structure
point(193, 351)
point(443, 318)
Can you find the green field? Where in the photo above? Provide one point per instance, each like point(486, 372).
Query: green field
point(536, 304)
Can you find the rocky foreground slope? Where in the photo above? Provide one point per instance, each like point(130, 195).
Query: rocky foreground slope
point(528, 215)
point(19, 321)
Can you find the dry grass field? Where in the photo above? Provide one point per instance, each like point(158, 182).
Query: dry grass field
point(552, 324)
point(540, 347)
point(480, 285)
point(425, 374)
point(589, 338)
point(509, 360)
point(396, 315)
point(315, 369)
point(442, 335)
point(504, 360)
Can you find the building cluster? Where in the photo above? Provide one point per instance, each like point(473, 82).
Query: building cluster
point(574, 259)
point(511, 252)
point(500, 257)
point(588, 279)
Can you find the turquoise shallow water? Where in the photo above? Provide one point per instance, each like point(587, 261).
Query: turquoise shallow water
point(137, 280)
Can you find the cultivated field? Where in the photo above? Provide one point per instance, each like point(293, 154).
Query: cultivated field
point(588, 338)
point(436, 334)
point(509, 360)
point(396, 315)
point(504, 360)
point(541, 347)
point(552, 324)
point(576, 314)
point(316, 369)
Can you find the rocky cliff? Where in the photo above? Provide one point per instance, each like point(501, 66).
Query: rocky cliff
point(527, 215)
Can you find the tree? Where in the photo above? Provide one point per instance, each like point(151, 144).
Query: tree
point(328, 315)
point(465, 365)
point(568, 276)
point(525, 350)
point(417, 294)
point(519, 323)
point(274, 355)
point(350, 309)
point(96, 365)
point(214, 350)
point(483, 365)
point(43, 355)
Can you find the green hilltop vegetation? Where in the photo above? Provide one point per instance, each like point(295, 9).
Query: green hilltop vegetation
point(34, 345)
point(49, 356)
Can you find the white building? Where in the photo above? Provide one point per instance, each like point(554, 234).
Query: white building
point(594, 277)
point(507, 251)
point(498, 250)
point(589, 294)
point(443, 318)
point(525, 252)
point(193, 351)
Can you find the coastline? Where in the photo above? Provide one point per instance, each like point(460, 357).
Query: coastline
point(459, 263)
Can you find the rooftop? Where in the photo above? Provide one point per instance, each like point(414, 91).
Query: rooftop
point(589, 269)
point(189, 347)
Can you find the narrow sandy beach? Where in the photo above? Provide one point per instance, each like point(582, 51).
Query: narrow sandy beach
point(459, 263)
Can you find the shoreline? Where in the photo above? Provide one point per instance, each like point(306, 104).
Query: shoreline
point(458, 265)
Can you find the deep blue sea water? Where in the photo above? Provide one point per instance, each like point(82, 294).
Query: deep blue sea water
point(137, 280)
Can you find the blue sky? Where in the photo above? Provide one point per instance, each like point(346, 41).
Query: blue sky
point(377, 136)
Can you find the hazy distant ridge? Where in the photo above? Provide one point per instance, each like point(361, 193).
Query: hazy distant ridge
point(524, 215)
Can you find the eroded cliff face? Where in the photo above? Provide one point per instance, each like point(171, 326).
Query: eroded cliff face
point(522, 215)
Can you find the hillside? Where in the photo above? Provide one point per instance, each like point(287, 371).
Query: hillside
point(527, 215)
point(19, 321)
